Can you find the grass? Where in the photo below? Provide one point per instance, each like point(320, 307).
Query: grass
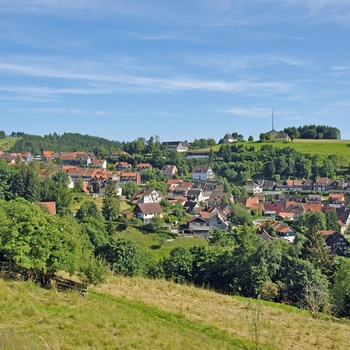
point(140, 313)
point(7, 143)
point(322, 147)
point(156, 244)
point(282, 326)
point(80, 198)
point(33, 318)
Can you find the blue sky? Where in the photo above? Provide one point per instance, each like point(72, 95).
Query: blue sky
point(177, 69)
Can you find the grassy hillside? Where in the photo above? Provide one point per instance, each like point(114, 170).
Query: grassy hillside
point(322, 147)
point(7, 143)
point(137, 313)
point(33, 318)
point(282, 327)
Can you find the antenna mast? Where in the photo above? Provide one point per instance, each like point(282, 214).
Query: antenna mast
point(273, 120)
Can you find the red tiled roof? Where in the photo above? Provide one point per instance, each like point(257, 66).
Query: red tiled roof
point(51, 206)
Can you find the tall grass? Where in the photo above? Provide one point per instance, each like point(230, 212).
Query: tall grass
point(34, 318)
point(282, 327)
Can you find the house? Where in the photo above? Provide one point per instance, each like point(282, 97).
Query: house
point(217, 220)
point(312, 207)
point(281, 230)
point(11, 158)
point(337, 185)
point(48, 156)
point(336, 200)
point(344, 218)
point(228, 138)
point(336, 242)
point(128, 177)
point(281, 137)
point(178, 146)
point(253, 203)
point(280, 186)
point(253, 187)
point(26, 156)
point(315, 198)
point(190, 206)
point(181, 191)
point(76, 158)
point(86, 174)
point(198, 226)
point(294, 185)
point(308, 185)
point(143, 167)
point(217, 197)
point(99, 163)
point(293, 210)
point(268, 185)
point(272, 209)
point(202, 172)
point(51, 207)
point(169, 171)
point(148, 195)
point(146, 211)
point(198, 154)
point(195, 195)
point(321, 184)
point(120, 166)
point(118, 188)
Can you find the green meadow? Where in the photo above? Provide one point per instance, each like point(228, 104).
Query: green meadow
point(322, 147)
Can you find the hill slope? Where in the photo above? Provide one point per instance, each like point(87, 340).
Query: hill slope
point(34, 318)
point(321, 147)
point(137, 313)
point(283, 327)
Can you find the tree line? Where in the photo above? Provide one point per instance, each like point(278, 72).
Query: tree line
point(313, 132)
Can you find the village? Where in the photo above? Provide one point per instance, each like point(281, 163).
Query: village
point(204, 201)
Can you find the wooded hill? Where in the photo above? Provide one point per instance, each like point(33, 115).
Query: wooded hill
point(68, 142)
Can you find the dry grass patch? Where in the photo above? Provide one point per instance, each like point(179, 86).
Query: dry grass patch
point(34, 318)
point(281, 328)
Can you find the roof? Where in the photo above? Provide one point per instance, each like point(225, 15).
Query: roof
point(98, 161)
point(339, 197)
point(48, 154)
point(273, 207)
point(322, 180)
point(51, 206)
point(312, 206)
point(201, 169)
point(229, 137)
point(149, 208)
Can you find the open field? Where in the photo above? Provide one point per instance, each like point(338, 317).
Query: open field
point(322, 147)
point(156, 244)
point(283, 327)
point(138, 313)
point(34, 318)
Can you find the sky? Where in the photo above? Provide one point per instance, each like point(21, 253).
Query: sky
point(180, 70)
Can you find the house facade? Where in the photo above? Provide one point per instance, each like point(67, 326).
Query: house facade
point(178, 146)
point(146, 211)
point(169, 171)
point(202, 172)
point(228, 138)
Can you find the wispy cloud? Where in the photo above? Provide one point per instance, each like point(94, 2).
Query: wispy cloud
point(72, 111)
point(252, 113)
point(89, 79)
